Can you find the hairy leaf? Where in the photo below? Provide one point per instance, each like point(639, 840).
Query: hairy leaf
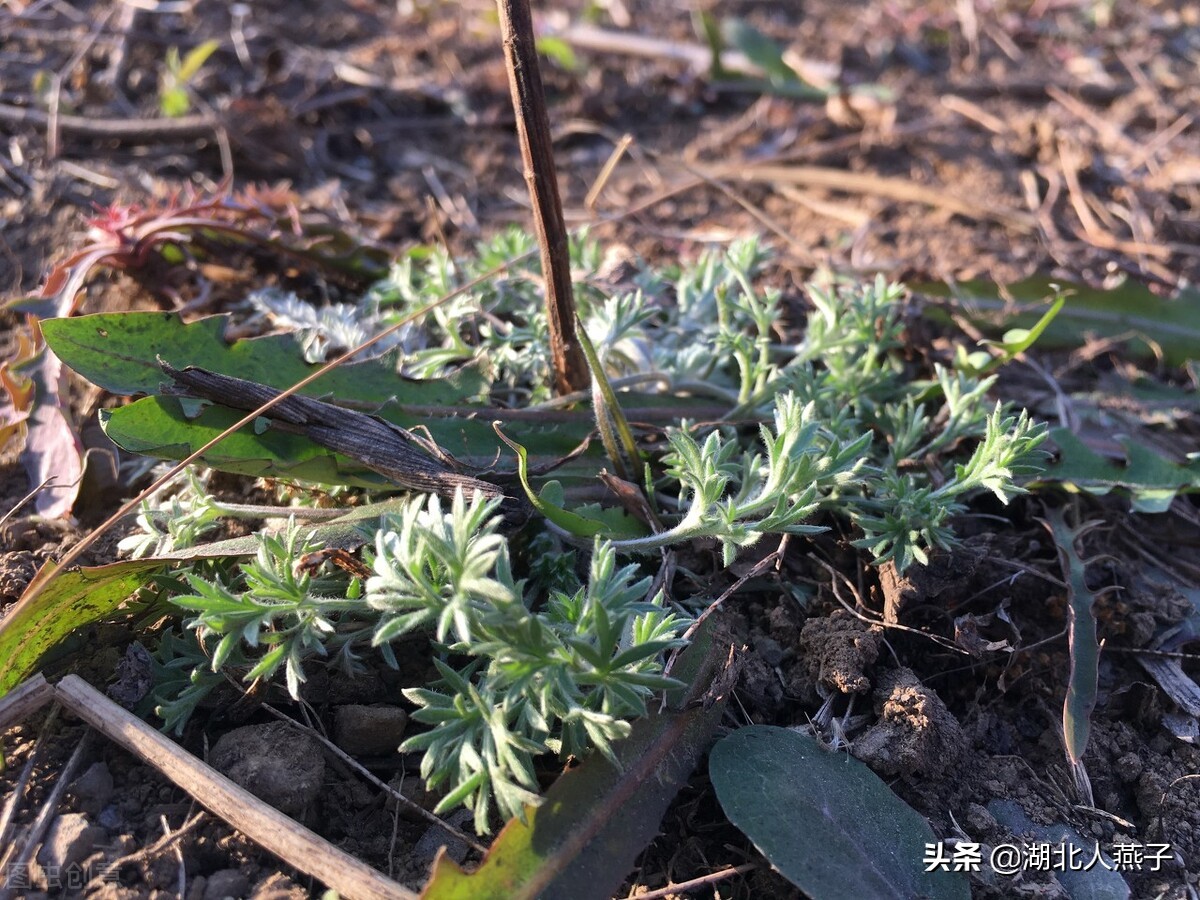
point(583, 839)
point(824, 820)
point(79, 597)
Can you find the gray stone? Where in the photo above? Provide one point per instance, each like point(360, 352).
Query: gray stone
point(227, 884)
point(275, 762)
point(369, 730)
point(434, 838)
point(70, 840)
point(93, 789)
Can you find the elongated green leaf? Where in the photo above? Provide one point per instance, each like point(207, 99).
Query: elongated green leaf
point(75, 598)
point(195, 58)
point(759, 49)
point(589, 522)
point(825, 820)
point(1018, 340)
point(1171, 325)
point(1151, 480)
point(580, 843)
point(608, 409)
point(120, 353)
point(1081, 639)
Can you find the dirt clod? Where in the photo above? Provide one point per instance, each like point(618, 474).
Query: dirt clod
point(274, 762)
point(839, 650)
point(16, 571)
point(915, 735)
point(227, 883)
point(946, 573)
point(93, 789)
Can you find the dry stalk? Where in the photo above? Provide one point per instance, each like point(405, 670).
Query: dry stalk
point(537, 154)
point(263, 824)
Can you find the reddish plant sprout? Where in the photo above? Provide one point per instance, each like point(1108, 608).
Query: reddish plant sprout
point(127, 236)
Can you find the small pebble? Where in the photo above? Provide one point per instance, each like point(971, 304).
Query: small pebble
point(369, 730)
point(70, 840)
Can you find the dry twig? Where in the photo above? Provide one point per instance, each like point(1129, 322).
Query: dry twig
point(263, 824)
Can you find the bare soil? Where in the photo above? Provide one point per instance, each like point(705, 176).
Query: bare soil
point(1056, 138)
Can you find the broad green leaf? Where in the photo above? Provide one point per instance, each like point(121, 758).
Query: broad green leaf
point(1151, 480)
point(172, 427)
point(585, 837)
point(1170, 325)
point(75, 598)
point(120, 353)
point(825, 820)
point(1099, 882)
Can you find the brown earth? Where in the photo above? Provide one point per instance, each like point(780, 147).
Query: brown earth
point(1056, 138)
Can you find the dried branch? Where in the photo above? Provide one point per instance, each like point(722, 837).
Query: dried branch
point(266, 826)
point(537, 153)
point(379, 445)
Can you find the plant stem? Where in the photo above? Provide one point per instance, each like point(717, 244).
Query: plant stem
point(537, 154)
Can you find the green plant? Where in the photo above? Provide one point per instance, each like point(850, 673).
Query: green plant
point(565, 676)
point(836, 426)
point(174, 85)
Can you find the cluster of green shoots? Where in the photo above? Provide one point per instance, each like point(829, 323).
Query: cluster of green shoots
point(838, 425)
